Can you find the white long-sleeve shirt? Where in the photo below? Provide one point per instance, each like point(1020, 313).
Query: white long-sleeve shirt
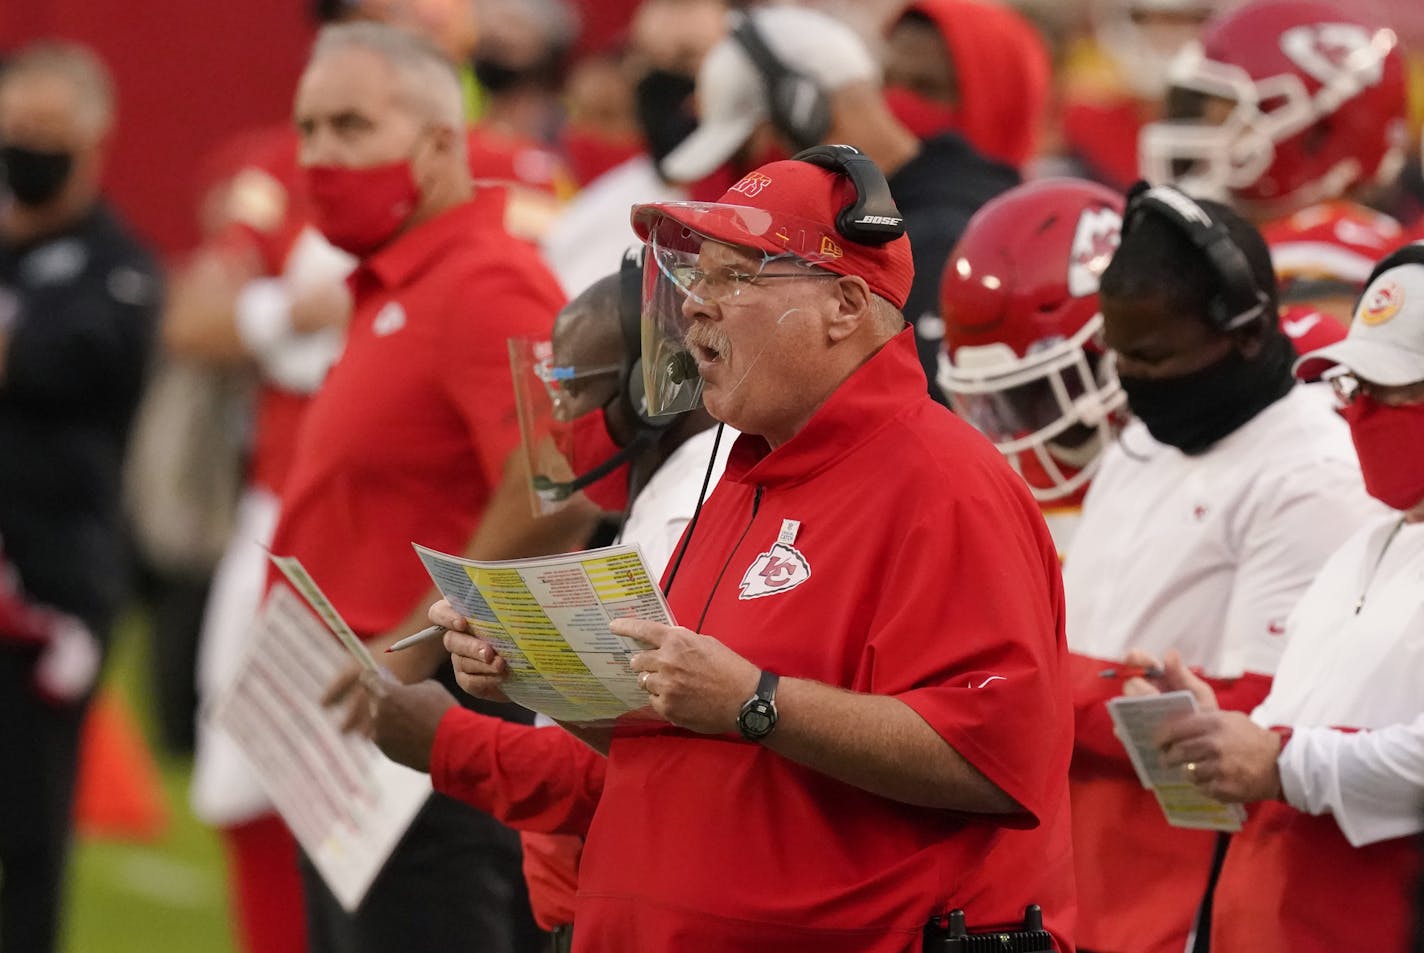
point(1362, 672)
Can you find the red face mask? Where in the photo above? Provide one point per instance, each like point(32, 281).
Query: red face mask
point(359, 210)
point(590, 155)
point(1390, 444)
point(586, 445)
point(922, 116)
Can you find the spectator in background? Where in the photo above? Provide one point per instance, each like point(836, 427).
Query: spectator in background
point(972, 67)
point(1333, 758)
point(1205, 522)
point(78, 308)
point(668, 39)
point(439, 285)
point(786, 78)
point(600, 130)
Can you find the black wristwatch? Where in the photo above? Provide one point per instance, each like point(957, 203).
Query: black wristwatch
point(758, 714)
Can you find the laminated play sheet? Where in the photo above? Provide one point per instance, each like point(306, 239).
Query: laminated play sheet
point(548, 618)
point(1137, 720)
point(346, 803)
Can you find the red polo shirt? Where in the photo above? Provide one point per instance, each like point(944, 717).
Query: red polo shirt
point(408, 436)
point(920, 569)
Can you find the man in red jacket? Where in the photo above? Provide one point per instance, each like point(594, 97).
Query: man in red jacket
point(867, 699)
point(407, 439)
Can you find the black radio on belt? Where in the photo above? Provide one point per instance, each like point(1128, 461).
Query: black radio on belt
point(950, 934)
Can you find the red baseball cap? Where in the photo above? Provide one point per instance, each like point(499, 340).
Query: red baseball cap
point(787, 207)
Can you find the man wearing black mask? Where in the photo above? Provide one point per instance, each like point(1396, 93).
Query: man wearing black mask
point(1204, 525)
point(78, 300)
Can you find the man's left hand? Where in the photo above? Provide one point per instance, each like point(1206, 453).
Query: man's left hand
point(692, 680)
point(1226, 754)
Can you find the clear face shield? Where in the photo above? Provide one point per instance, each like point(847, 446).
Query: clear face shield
point(564, 442)
point(710, 257)
point(1052, 414)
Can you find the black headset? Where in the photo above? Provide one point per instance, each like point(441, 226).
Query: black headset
point(1239, 300)
point(799, 108)
point(873, 218)
point(1411, 254)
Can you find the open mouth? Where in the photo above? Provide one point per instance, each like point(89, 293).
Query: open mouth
point(705, 354)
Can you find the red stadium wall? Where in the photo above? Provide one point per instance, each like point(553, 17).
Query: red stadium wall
point(189, 74)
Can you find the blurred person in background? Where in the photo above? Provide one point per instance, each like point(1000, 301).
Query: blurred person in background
point(439, 284)
point(600, 129)
point(972, 67)
point(1024, 359)
point(786, 78)
point(668, 40)
point(1206, 520)
point(518, 62)
point(1332, 761)
point(1294, 112)
point(264, 293)
point(78, 310)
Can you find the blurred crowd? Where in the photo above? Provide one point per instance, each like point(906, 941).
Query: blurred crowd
point(1128, 220)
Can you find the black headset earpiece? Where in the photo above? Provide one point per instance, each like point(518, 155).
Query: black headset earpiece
point(630, 318)
point(1411, 254)
point(873, 218)
point(1241, 300)
point(796, 102)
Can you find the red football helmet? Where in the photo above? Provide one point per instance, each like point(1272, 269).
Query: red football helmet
point(1311, 101)
point(1022, 359)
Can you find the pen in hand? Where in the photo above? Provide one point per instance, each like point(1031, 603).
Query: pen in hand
point(424, 635)
point(1132, 671)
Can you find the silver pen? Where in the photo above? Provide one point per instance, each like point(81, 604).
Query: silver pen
point(424, 635)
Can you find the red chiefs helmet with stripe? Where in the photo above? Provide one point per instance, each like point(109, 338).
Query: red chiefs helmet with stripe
point(1022, 358)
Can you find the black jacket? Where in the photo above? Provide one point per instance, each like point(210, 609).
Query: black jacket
point(80, 309)
point(937, 192)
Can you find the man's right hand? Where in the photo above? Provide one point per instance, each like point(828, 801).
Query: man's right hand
point(479, 670)
point(405, 718)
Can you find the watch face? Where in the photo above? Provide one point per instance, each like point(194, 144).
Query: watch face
point(756, 722)
point(757, 719)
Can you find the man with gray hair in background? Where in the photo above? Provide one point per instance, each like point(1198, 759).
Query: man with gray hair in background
point(407, 439)
point(78, 303)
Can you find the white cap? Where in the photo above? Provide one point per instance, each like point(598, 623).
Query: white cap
point(732, 94)
point(1386, 340)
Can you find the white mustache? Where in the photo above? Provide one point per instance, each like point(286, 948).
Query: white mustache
point(711, 337)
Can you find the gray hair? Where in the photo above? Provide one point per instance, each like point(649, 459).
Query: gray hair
point(80, 67)
point(888, 318)
point(431, 87)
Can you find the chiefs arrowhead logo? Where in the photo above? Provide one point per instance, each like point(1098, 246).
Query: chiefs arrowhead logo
point(780, 569)
point(1095, 239)
point(1381, 302)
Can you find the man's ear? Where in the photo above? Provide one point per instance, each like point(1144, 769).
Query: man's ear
point(853, 308)
point(442, 138)
point(1252, 338)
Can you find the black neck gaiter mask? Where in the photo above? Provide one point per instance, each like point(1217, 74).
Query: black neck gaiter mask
point(1196, 410)
point(34, 176)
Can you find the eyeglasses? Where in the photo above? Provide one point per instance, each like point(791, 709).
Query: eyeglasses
point(564, 384)
point(726, 282)
point(1349, 388)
